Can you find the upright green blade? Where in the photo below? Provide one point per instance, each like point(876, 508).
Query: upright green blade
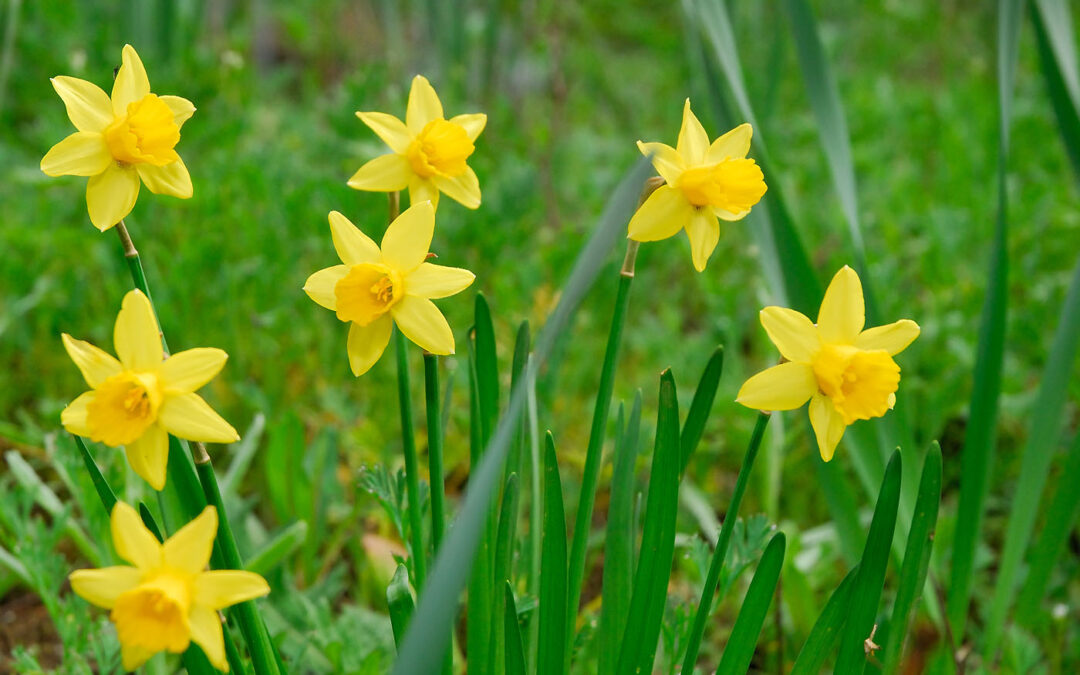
point(400, 601)
point(826, 630)
point(515, 652)
point(1054, 33)
point(101, 486)
point(504, 553)
point(552, 609)
point(744, 634)
point(700, 407)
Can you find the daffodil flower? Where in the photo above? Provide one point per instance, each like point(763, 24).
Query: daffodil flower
point(120, 141)
point(136, 401)
point(376, 287)
point(166, 599)
point(704, 182)
point(429, 152)
point(846, 372)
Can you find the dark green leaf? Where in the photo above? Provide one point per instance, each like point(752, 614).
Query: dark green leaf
point(826, 629)
point(744, 634)
point(552, 645)
point(701, 406)
point(400, 601)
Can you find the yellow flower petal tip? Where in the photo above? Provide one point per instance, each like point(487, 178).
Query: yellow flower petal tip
point(123, 140)
point(138, 399)
point(708, 183)
point(380, 285)
point(429, 153)
point(846, 372)
point(166, 599)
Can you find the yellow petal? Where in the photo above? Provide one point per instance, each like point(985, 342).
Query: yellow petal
point(352, 246)
point(320, 286)
point(102, 586)
point(693, 141)
point(422, 322)
point(423, 190)
point(182, 109)
point(171, 179)
point(390, 129)
point(724, 214)
point(73, 417)
point(206, 632)
point(133, 656)
point(133, 542)
point(192, 368)
point(437, 281)
point(111, 194)
point(703, 232)
point(131, 83)
point(781, 387)
point(893, 338)
point(828, 425)
point(148, 456)
point(222, 588)
point(83, 153)
point(663, 214)
point(423, 106)
point(667, 162)
point(408, 239)
point(88, 107)
point(472, 123)
point(136, 335)
point(842, 314)
point(387, 173)
point(733, 144)
point(95, 364)
point(463, 189)
point(189, 549)
point(367, 343)
point(792, 333)
point(189, 416)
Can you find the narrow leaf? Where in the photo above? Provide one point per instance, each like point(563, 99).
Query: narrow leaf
point(400, 601)
point(744, 634)
point(701, 406)
point(105, 493)
point(826, 630)
point(515, 652)
point(552, 645)
point(504, 553)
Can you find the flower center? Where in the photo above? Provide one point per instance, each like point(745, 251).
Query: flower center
point(859, 382)
point(124, 405)
point(154, 614)
point(733, 185)
point(441, 148)
point(146, 134)
point(367, 292)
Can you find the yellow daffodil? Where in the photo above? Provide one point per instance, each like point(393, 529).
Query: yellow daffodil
point(704, 182)
point(847, 373)
point(120, 141)
point(136, 401)
point(429, 152)
point(376, 287)
point(168, 599)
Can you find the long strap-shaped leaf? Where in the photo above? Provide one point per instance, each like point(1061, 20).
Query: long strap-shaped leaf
point(826, 629)
point(400, 601)
point(552, 609)
point(504, 551)
point(700, 407)
point(744, 634)
point(515, 652)
point(646, 612)
point(866, 593)
point(977, 458)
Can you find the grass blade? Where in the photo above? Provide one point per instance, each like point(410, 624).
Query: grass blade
point(515, 653)
point(105, 493)
point(412, 464)
point(700, 407)
point(866, 593)
point(552, 645)
point(504, 553)
point(1058, 59)
point(920, 543)
point(646, 611)
point(1047, 419)
point(977, 457)
point(281, 547)
point(744, 634)
point(430, 629)
point(400, 601)
point(618, 577)
point(826, 630)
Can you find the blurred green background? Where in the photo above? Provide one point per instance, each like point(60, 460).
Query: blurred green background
point(568, 89)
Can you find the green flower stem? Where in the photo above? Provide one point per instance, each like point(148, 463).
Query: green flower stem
point(412, 469)
point(594, 451)
point(713, 577)
point(247, 614)
point(435, 450)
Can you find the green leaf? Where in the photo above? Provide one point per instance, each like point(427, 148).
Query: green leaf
point(920, 543)
point(1058, 59)
point(701, 406)
point(977, 458)
point(417, 547)
point(400, 601)
point(105, 493)
point(552, 645)
point(744, 634)
point(638, 649)
point(283, 545)
point(149, 522)
point(430, 629)
point(866, 593)
point(504, 554)
point(618, 578)
point(826, 630)
point(515, 653)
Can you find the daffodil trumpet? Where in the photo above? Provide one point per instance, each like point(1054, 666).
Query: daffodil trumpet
point(847, 373)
